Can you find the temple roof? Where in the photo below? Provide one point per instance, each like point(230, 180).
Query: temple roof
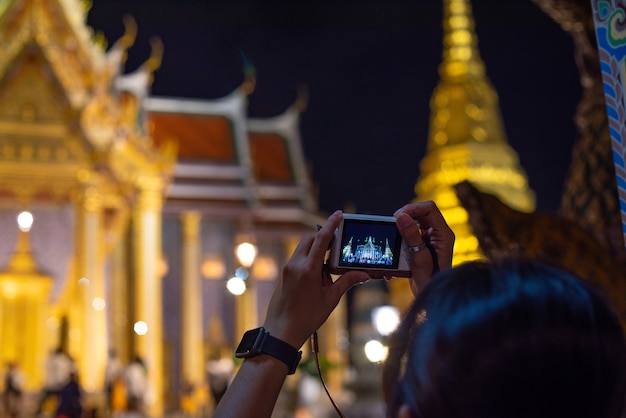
point(229, 163)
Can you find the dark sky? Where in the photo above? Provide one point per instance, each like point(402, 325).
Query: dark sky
point(370, 68)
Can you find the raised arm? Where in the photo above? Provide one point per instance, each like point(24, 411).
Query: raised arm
point(303, 299)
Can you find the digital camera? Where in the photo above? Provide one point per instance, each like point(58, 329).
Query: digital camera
point(370, 243)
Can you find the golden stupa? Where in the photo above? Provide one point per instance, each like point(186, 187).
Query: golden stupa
point(467, 140)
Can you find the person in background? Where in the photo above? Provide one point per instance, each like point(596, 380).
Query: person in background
point(57, 371)
point(510, 339)
point(220, 370)
point(69, 403)
point(136, 378)
point(113, 374)
point(13, 383)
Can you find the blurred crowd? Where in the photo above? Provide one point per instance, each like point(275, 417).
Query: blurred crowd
point(126, 389)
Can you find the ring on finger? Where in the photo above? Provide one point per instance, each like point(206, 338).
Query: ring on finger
point(417, 248)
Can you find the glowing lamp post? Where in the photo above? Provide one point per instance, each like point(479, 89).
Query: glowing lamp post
point(25, 221)
point(246, 253)
point(240, 286)
point(385, 320)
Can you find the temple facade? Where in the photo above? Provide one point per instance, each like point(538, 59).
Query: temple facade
point(134, 207)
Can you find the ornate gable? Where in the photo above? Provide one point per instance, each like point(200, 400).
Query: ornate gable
point(65, 106)
point(40, 152)
point(57, 28)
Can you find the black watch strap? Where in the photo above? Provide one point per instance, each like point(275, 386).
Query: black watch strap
point(259, 341)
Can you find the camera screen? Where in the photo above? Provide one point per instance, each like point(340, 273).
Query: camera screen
point(370, 244)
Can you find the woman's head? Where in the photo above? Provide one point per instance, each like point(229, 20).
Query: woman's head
point(510, 339)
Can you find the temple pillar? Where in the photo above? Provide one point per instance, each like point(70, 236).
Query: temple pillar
point(191, 302)
point(246, 306)
point(247, 303)
point(91, 340)
point(119, 315)
point(148, 289)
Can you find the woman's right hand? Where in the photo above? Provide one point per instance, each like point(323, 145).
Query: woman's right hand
point(306, 295)
point(419, 223)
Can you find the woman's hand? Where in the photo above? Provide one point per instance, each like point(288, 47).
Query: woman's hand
point(420, 223)
point(306, 295)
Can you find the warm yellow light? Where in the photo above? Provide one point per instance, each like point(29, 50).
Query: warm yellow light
point(140, 328)
point(246, 253)
point(25, 221)
point(385, 319)
point(162, 267)
point(9, 290)
point(236, 286)
point(375, 351)
point(213, 267)
point(98, 304)
point(52, 323)
point(265, 268)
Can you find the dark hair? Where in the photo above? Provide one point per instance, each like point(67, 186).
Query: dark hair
point(512, 339)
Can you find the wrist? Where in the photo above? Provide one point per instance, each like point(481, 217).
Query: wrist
point(291, 337)
point(269, 362)
point(258, 342)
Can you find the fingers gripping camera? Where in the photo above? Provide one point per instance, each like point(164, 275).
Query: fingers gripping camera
point(371, 243)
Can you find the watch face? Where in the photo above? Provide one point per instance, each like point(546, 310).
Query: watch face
point(250, 343)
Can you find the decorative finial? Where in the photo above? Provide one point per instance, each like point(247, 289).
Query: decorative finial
point(302, 100)
point(156, 56)
point(249, 71)
point(130, 32)
point(460, 44)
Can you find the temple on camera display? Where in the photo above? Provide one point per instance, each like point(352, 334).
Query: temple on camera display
point(369, 252)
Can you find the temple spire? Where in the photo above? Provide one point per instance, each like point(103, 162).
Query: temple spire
point(460, 43)
point(466, 139)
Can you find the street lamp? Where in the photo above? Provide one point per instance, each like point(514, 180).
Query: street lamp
point(25, 221)
point(246, 253)
point(375, 351)
point(385, 320)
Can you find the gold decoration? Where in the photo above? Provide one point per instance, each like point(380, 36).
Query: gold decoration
point(69, 133)
point(466, 139)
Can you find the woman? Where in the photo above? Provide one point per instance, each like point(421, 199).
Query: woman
point(514, 322)
point(514, 338)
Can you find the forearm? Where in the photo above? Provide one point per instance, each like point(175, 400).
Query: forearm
point(254, 390)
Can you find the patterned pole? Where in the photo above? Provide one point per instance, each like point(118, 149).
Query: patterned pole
point(610, 23)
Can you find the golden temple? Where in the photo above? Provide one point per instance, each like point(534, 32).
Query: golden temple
point(123, 187)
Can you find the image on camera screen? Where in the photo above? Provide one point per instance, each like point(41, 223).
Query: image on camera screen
point(369, 244)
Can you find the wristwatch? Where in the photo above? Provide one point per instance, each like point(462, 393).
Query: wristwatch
point(259, 341)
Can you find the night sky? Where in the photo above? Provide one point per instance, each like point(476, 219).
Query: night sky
point(370, 68)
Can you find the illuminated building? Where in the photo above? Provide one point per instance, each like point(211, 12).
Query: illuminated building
point(466, 140)
point(136, 201)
